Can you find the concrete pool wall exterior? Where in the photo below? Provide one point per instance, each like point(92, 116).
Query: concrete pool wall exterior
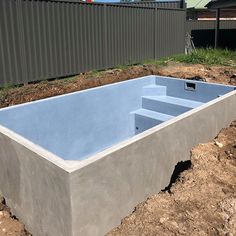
point(53, 196)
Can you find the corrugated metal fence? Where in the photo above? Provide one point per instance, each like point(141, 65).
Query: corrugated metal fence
point(47, 39)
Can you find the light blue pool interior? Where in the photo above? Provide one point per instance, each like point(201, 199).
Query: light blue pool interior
point(80, 124)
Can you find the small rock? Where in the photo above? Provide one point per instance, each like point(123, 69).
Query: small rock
point(3, 230)
point(229, 234)
point(162, 220)
point(4, 214)
point(220, 145)
point(174, 224)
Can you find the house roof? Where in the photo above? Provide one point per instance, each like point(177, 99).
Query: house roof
point(213, 4)
point(198, 4)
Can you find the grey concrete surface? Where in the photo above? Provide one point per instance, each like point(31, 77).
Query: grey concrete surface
point(36, 189)
point(54, 197)
point(109, 186)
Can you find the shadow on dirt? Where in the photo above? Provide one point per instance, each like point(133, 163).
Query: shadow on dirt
point(179, 168)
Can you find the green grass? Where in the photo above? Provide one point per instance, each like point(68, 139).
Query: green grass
point(200, 56)
point(209, 57)
point(4, 91)
point(97, 73)
point(68, 79)
point(123, 67)
point(159, 62)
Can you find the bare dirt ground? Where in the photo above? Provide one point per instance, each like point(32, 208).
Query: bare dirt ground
point(201, 202)
point(9, 225)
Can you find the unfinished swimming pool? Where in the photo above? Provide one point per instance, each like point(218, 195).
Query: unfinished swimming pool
point(76, 164)
point(78, 125)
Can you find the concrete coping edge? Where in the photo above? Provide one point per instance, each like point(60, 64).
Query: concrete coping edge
point(73, 165)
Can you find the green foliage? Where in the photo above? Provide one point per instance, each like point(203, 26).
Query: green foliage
point(3, 92)
point(123, 67)
point(159, 62)
point(68, 79)
point(5, 88)
point(209, 57)
point(96, 73)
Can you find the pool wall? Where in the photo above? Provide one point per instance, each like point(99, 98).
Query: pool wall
point(110, 184)
point(92, 120)
point(36, 186)
point(52, 196)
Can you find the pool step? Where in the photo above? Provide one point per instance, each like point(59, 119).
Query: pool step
point(153, 114)
point(154, 90)
point(146, 119)
point(169, 105)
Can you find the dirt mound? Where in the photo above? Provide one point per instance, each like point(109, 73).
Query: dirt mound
point(32, 92)
point(212, 74)
point(201, 202)
point(9, 225)
point(45, 89)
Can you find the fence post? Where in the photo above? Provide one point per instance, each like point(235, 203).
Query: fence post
point(105, 35)
point(154, 31)
point(24, 77)
point(217, 27)
point(185, 28)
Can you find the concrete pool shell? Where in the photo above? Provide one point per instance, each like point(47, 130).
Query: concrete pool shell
point(76, 164)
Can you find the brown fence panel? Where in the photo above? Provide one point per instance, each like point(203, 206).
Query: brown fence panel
point(42, 39)
point(170, 32)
